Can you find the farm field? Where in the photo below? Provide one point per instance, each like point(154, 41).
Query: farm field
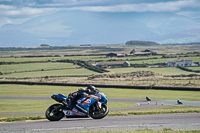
point(161, 60)
point(27, 59)
point(16, 67)
point(50, 73)
point(100, 49)
point(36, 66)
point(194, 68)
point(57, 67)
point(162, 71)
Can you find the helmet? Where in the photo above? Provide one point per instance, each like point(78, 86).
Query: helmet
point(91, 88)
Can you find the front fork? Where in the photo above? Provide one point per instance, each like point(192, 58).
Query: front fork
point(99, 105)
point(98, 108)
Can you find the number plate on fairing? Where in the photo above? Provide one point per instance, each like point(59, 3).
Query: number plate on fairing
point(73, 112)
point(67, 112)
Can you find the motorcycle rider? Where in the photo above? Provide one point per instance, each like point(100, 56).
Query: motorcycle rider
point(73, 97)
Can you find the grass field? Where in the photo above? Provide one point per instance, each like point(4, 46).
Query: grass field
point(14, 71)
point(51, 73)
point(161, 110)
point(42, 105)
point(194, 68)
point(26, 59)
point(47, 91)
point(35, 66)
point(163, 71)
point(161, 61)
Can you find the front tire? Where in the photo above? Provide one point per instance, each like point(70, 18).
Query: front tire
point(53, 114)
point(98, 113)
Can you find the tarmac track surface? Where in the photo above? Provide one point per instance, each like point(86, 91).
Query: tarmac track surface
point(188, 121)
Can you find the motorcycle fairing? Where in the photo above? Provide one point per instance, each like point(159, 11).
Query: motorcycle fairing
point(73, 112)
point(87, 101)
point(103, 98)
point(59, 97)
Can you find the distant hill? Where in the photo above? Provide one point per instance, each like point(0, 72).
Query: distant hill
point(141, 43)
point(66, 28)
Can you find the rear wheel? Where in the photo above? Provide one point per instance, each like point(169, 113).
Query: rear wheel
point(53, 113)
point(98, 113)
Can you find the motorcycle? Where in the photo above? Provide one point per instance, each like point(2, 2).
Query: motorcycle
point(94, 105)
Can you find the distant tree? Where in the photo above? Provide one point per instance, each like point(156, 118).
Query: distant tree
point(141, 43)
point(44, 45)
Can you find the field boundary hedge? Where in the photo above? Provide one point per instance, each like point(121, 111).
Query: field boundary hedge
point(187, 69)
point(105, 86)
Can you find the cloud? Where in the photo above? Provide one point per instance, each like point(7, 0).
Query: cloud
point(11, 9)
point(10, 14)
point(39, 7)
point(192, 14)
point(142, 7)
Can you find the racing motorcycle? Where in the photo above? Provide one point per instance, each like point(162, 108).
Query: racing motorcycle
point(94, 105)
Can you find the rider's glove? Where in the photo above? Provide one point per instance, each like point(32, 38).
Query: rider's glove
point(72, 95)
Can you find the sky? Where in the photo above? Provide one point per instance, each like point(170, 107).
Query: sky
point(20, 11)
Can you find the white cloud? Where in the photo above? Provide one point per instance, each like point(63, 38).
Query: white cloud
point(6, 7)
point(8, 10)
point(189, 14)
point(23, 11)
point(34, 8)
point(142, 7)
point(16, 15)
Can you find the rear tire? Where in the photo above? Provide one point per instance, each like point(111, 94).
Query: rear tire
point(52, 114)
point(98, 114)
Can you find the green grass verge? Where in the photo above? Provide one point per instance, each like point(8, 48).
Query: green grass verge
point(41, 105)
point(22, 118)
point(47, 91)
point(162, 110)
point(8, 106)
point(34, 90)
point(153, 94)
point(10, 118)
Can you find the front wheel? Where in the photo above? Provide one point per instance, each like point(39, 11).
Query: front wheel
point(98, 113)
point(53, 113)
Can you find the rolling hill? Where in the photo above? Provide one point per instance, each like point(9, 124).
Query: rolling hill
point(78, 27)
